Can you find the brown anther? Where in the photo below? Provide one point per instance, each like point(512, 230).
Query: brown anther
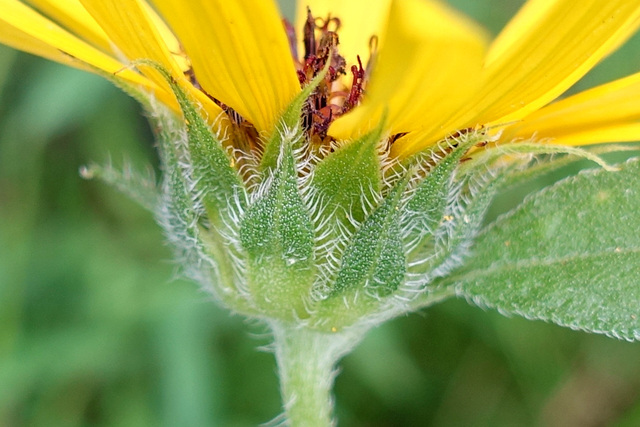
point(328, 42)
point(302, 77)
point(309, 35)
point(191, 76)
point(357, 87)
point(327, 51)
point(461, 132)
point(393, 138)
point(235, 117)
point(323, 24)
point(322, 118)
point(330, 98)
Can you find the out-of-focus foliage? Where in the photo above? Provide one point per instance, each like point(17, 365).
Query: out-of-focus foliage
point(94, 331)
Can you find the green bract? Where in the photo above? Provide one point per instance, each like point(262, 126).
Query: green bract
point(324, 240)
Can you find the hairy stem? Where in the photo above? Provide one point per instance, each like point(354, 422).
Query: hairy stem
point(306, 366)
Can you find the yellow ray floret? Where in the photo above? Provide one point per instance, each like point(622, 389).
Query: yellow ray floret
point(24, 29)
point(546, 48)
point(433, 74)
point(133, 30)
point(427, 66)
point(607, 113)
point(72, 15)
point(239, 52)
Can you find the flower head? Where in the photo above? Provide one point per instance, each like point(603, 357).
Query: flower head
point(331, 173)
point(424, 69)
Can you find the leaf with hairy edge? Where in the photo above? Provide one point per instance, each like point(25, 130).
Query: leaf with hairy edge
point(289, 123)
point(181, 219)
point(348, 178)
point(277, 234)
point(442, 216)
point(199, 171)
point(549, 162)
point(373, 265)
point(374, 261)
point(524, 150)
point(176, 214)
point(569, 254)
point(450, 252)
point(139, 188)
point(214, 177)
point(213, 173)
point(425, 209)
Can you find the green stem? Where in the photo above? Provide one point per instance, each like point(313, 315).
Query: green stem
point(306, 366)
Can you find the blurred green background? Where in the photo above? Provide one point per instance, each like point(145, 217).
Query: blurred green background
point(96, 330)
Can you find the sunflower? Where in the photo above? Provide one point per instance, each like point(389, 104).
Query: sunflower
point(314, 171)
point(429, 71)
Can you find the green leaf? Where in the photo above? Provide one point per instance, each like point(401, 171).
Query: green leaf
point(141, 189)
point(289, 123)
point(443, 215)
point(374, 260)
point(212, 175)
point(551, 163)
point(425, 208)
point(373, 267)
point(525, 149)
point(178, 216)
point(277, 234)
point(569, 254)
point(202, 253)
point(349, 178)
point(199, 173)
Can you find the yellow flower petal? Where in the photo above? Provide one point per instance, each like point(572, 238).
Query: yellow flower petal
point(607, 113)
point(622, 132)
point(547, 47)
point(427, 67)
point(167, 36)
point(359, 21)
point(239, 52)
point(128, 25)
point(133, 31)
point(18, 39)
point(71, 15)
point(24, 29)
